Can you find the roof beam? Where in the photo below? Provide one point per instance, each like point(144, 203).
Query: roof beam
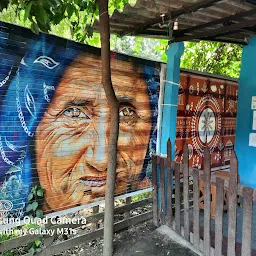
point(221, 39)
point(217, 32)
point(223, 35)
point(171, 15)
point(227, 40)
point(237, 16)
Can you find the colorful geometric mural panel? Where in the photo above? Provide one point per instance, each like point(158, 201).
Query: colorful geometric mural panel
point(206, 116)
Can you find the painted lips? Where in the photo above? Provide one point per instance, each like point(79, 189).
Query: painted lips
point(93, 183)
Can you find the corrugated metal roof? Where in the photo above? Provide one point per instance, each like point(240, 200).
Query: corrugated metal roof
point(217, 20)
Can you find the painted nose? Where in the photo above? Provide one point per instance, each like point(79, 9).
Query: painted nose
point(97, 153)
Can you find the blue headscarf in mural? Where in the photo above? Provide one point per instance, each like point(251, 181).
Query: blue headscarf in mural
point(30, 70)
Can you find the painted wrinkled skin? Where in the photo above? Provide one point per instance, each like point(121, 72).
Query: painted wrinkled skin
point(72, 137)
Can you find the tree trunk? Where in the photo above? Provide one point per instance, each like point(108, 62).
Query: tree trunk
point(114, 128)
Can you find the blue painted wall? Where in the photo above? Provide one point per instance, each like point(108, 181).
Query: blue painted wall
point(174, 53)
point(247, 88)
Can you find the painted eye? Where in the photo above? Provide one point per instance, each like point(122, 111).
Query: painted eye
point(127, 112)
point(75, 113)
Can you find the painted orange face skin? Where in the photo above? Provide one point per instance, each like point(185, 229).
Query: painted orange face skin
point(72, 139)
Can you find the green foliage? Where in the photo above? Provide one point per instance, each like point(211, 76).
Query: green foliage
point(5, 237)
point(73, 19)
point(34, 210)
point(43, 15)
point(14, 234)
point(9, 253)
point(141, 196)
point(147, 48)
point(35, 247)
point(33, 207)
point(32, 248)
point(213, 57)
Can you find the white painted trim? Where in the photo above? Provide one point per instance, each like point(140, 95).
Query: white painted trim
point(160, 108)
point(162, 155)
point(172, 105)
point(170, 82)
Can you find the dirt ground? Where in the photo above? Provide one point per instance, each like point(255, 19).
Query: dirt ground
point(139, 240)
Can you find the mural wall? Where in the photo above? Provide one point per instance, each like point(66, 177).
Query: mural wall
point(207, 112)
point(55, 120)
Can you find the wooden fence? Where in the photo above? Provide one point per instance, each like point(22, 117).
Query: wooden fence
point(93, 229)
point(167, 177)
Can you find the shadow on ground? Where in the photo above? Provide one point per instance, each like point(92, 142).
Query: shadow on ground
point(139, 240)
point(144, 240)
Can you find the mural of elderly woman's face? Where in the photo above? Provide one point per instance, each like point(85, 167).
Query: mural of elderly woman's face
point(72, 139)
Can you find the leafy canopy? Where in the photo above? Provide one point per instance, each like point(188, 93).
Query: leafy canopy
point(41, 14)
point(73, 19)
point(211, 57)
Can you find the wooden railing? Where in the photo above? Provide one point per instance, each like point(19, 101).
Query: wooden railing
point(93, 229)
point(168, 198)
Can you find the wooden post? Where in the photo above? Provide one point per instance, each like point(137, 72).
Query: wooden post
point(196, 223)
point(247, 221)
point(186, 191)
point(219, 216)
point(127, 215)
point(232, 205)
point(155, 191)
point(162, 191)
point(207, 201)
point(177, 198)
point(169, 184)
point(95, 210)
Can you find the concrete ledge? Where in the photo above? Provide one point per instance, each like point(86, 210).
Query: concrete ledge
point(164, 230)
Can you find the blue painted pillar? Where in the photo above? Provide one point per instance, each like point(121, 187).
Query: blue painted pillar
point(170, 106)
point(247, 88)
point(171, 90)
